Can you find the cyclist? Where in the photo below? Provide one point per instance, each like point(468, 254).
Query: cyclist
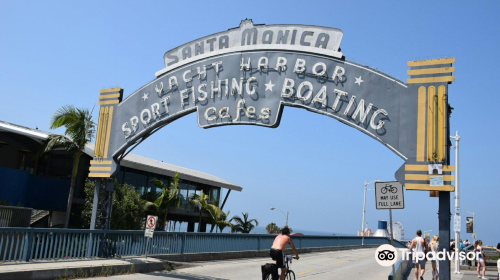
point(279, 245)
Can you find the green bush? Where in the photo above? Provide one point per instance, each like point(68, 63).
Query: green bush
point(128, 207)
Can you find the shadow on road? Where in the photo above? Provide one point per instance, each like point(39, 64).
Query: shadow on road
point(184, 276)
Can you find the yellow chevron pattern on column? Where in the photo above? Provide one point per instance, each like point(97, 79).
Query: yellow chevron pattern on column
point(101, 165)
point(422, 98)
point(432, 124)
point(441, 129)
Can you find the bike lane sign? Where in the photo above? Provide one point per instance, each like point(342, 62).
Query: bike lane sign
point(389, 195)
point(150, 226)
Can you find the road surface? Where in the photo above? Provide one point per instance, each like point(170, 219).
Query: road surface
point(353, 264)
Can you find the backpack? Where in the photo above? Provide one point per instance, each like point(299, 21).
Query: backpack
point(269, 268)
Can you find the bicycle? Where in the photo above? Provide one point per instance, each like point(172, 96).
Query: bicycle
point(290, 275)
point(389, 188)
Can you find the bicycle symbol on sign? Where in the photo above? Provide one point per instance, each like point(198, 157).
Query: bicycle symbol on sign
point(389, 188)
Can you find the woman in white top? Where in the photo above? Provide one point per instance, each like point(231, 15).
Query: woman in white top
point(480, 258)
point(434, 245)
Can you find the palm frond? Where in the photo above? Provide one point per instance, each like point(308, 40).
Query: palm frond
point(55, 141)
point(64, 116)
point(244, 225)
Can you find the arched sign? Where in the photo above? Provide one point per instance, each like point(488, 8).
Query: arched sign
point(246, 75)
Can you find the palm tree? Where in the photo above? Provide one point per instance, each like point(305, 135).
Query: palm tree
point(201, 202)
point(243, 225)
point(214, 214)
point(79, 132)
point(272, 228)
point(170, 198)
point(222, 222)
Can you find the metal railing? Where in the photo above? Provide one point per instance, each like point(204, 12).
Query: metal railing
point(34, 244)
point(11, 216)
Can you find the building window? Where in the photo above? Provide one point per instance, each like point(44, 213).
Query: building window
point(137, 179)
point(27, 161)
point(152, 186)
point(184, 192)
point(60, 166)
point(119, 176)
point(215, 194)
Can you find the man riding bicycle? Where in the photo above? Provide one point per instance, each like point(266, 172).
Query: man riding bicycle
point(279, 245)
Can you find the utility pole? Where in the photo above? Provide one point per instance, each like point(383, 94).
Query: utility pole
point(286, 214)
point(364, 213)
point(457, 203)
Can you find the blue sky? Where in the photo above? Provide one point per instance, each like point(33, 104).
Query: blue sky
point(54, 53)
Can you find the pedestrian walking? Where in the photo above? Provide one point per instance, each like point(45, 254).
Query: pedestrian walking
point(418, 243)
point(433, 246)
point(478, 249)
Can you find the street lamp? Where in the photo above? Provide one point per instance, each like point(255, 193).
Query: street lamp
point(364, 212)
point(473, 226)
point(272, 208)
point(457, 203)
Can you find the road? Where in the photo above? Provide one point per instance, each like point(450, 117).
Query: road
point(353, 264)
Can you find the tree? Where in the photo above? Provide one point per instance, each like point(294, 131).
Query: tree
point(215, 214)
point(128, 207)
point(201, 202)
point(170, 198)
point(79, 131)
point(150, 208)
point(222, 222)
point(272, 228)
point(243, 225)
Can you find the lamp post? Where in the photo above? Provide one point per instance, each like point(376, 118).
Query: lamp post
point(364, 213)
point(286, 214)
point(457, 203)
point(473, 226)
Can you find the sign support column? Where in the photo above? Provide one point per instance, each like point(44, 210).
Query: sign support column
point(389, 195)
point(149, 230)
point(444, 233)
point(457, 206)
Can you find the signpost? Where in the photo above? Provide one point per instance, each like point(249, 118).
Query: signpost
point(149, 230)
point(389, 195)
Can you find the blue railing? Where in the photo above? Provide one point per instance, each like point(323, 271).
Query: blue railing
point(34, 244)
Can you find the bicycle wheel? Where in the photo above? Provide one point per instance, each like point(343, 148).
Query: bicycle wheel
point(290, 275)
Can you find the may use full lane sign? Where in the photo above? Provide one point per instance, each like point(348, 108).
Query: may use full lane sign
point(389, 195)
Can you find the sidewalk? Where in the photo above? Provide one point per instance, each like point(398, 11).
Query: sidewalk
point(465, 274)
point(80, 268)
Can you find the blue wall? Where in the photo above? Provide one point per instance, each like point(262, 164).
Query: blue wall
point(38, 192)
